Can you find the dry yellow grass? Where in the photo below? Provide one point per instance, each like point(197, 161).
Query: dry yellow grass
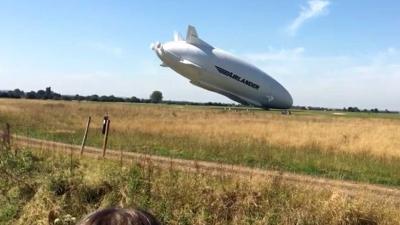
point(200, 130)
point(379, 136)
point(178, 197)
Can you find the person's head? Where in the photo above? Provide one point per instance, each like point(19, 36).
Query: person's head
point(118, 216)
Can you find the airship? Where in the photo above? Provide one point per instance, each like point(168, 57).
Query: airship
point(219, 71)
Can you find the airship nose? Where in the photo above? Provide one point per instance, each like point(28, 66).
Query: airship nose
point(288, 100)
point(283, 99)
point(166, 52)
point(157, 48)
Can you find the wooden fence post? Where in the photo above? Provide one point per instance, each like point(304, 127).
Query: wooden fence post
point(106, 137)
point(85, 135)
point(71, 165)
point(6, 136)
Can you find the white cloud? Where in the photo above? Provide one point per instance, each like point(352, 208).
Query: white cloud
point(282, 54)
point(366, 81)
point(314, 8)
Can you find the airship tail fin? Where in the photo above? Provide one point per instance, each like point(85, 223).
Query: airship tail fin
point(193, 38)
point(177, 37)
point(191, 33)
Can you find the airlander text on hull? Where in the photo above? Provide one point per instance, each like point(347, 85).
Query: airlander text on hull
point(237, 77)
point(218, 71)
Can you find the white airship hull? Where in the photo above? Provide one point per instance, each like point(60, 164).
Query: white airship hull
point(218, 71)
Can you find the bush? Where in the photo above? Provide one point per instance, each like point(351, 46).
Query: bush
point(156, 97)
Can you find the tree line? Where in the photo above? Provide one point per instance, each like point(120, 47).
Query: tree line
point(48, 93)
point(155, 97)
point(348, 109)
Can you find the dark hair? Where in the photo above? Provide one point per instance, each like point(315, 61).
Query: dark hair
point(118, 216)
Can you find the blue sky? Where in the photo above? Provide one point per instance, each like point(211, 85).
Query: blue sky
point(334, 53)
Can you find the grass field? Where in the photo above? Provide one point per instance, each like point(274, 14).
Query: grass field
point(360, 147)
point(41, 187)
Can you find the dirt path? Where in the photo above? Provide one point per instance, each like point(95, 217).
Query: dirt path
point(346, 187)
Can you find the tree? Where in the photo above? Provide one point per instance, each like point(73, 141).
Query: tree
point(353, 109)
point(17, 93)
point(31, 95)
point(41, 94)
point(375, 110)
point(156, 97)
point(134, 99)
point(93, 98)
point(48, 92)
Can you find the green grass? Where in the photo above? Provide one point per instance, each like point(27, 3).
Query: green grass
point(58, 189)
point(247, 151)
point(362, 167)
point(358, 167)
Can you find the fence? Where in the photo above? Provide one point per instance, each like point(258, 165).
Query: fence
point(351, 188)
